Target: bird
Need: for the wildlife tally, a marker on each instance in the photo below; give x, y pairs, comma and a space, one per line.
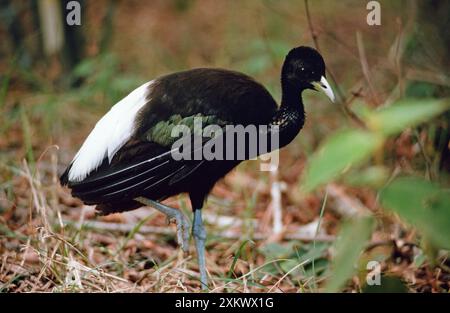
127, 161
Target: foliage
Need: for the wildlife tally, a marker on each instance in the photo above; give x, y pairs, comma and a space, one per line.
47, 237
405, 113
338, 153
297, 260
100, 75
353, 236
349, 148
423, 204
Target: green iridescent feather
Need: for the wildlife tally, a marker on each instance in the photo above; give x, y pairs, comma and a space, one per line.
161, 133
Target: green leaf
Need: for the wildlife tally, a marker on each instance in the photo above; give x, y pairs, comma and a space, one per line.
388, 284
361, 108
374, 176
274, 250
423, 205
237, 256
337, 154
305, 257
406, 113
352, 238
85, 68
419, 89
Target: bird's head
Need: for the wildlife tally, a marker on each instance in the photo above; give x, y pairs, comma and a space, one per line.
304, 68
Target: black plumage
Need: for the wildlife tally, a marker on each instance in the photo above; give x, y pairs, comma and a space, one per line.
144, 166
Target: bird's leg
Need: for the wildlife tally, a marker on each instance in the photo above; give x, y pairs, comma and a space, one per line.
199, 232
171, 213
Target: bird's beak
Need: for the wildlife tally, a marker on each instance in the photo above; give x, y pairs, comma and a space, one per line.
324, 86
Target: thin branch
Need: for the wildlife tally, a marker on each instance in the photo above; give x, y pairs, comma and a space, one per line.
365, 67
275, 193
340, 96
346, 205
311, 27
294, 234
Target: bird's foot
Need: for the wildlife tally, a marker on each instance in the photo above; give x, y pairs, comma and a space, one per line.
182, 230
172, 214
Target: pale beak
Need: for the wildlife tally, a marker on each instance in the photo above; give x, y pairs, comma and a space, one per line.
324, 86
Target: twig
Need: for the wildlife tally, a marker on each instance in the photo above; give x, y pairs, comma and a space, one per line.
322, 210
346, 205
287, 273
315, 38
37, 198
310, 25
222, 221
340, 96
275, 193
294, 234
427, 160
398, 61
365, 67
122, 228
427, 76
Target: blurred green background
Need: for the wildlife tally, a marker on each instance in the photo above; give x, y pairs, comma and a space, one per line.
382, 151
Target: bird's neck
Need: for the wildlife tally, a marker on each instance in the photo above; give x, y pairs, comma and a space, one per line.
290, 117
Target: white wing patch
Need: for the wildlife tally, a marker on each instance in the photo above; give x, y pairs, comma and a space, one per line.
109, 134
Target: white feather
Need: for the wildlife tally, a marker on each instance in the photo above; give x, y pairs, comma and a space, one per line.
109, 134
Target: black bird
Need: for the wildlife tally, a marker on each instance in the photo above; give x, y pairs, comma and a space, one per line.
127, 160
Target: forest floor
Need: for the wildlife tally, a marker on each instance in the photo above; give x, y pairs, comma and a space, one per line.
51, 242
